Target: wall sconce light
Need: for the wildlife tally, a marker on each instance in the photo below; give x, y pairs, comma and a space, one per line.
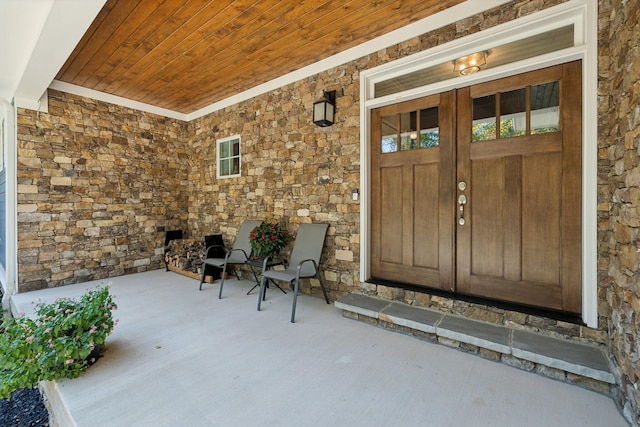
325, 109
470, 64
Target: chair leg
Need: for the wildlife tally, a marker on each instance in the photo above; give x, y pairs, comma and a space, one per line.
224, 273
296, 288
263, 291
324, 291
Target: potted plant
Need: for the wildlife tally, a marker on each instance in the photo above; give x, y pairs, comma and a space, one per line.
61, 340
267, 239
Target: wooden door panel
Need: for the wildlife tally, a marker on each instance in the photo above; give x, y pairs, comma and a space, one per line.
546, 143
521, 292
486, 215
512, 225
541, 218
391, 214
572, 187
425, 216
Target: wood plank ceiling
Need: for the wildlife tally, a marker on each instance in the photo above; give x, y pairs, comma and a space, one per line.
186, 54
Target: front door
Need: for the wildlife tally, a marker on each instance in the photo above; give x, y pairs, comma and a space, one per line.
478, 190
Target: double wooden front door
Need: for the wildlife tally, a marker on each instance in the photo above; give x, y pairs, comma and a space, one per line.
478, 190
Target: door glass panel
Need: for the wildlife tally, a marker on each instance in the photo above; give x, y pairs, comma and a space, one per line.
484, 118
389, 134
400, 131
513, 113
408, 131
545, 107
429, 131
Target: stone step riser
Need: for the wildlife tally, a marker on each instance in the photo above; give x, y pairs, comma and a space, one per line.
575, 363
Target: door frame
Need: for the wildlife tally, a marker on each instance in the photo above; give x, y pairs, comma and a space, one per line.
583, 15
9, 273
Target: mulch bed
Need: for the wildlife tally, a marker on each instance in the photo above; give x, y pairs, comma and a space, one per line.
24, 409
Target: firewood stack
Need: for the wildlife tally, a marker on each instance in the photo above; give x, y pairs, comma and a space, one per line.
185, 254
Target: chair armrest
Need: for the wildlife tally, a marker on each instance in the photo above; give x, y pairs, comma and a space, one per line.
299, 266
246, 257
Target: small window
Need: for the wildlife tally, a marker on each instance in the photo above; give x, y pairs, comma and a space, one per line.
530, 110
228, 157
400, 131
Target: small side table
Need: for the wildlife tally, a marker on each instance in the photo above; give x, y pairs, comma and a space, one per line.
258, 264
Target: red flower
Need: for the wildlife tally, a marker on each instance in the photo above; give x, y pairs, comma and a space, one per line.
268, 238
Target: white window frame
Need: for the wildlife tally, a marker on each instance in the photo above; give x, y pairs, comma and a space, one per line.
583, 14
219, 158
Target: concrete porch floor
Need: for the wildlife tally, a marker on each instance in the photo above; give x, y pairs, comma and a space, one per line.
182, 357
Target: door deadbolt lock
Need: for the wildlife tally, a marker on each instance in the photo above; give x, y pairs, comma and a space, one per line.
462, 185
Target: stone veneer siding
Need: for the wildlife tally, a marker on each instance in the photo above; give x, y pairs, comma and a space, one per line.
97, 186
619, 190
295, 172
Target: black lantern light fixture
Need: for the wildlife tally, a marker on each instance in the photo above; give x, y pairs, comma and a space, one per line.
325, 109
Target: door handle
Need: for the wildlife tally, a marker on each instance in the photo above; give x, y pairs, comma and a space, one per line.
462, 200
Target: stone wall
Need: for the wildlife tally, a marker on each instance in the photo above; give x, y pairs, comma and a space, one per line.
619, 189
97, 186
293, 171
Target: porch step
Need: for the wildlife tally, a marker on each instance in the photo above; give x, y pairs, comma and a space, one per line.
559, 359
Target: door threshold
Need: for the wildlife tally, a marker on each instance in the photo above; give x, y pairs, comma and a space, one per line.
472, 299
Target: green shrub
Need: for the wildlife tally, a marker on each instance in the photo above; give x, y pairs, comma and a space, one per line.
57, 342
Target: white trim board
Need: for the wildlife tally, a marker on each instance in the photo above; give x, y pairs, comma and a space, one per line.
9, 275
583, 15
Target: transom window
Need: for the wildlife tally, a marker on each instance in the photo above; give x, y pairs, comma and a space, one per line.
228, 157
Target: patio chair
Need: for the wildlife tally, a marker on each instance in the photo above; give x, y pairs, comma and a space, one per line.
239, 254
214, 248
304, 263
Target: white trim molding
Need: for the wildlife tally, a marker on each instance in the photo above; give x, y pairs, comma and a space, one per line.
9, 275
582, 14
117, 100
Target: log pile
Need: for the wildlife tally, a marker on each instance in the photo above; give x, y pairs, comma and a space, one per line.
185, 254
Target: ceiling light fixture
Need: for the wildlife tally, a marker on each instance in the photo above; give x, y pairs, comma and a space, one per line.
325, 109
470, 64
